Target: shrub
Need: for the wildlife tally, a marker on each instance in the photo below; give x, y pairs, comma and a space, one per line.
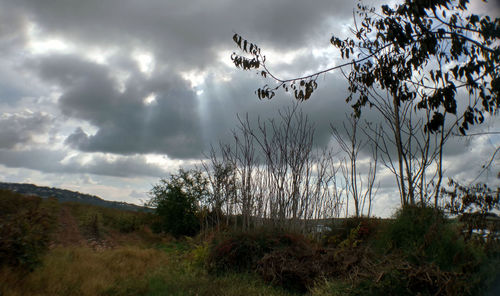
285, 259
91, 223
25, 229
364, 228
424, 235
95, 221
176, 201
127, 223
12, 202
293, 268
123, 221
241, 251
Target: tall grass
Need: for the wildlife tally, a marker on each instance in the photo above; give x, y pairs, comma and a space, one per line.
81, 271
126, 271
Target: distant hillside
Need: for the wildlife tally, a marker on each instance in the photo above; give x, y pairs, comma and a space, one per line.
64, 195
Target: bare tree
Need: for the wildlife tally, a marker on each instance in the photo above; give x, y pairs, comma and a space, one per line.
410, 151
410, 61
359, 185
273, 174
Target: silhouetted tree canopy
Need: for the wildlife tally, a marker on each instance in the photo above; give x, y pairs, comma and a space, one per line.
420, 50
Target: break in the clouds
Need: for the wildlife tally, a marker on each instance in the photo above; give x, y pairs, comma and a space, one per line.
130, 90
56, 161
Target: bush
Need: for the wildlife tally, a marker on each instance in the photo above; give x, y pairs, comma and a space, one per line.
285, 259
365, 228
290, 267
91, 223
25, 229
241, 251
123, 221
176, 201
95, 221
12, 202
424, 235
127, 223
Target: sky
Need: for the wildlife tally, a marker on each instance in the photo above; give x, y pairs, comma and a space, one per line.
107, 97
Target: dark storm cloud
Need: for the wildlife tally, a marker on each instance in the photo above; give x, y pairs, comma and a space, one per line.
191, 32
126, 124
77, 139
181, 36
325, 107
19, 129
12, 28
52, 161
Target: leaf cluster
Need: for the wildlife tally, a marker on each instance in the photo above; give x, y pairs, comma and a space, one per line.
302, 89
478, 198
425, 51
421, 51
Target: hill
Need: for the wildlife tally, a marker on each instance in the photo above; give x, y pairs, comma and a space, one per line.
63, 195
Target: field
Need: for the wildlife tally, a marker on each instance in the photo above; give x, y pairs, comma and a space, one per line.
52, 248
99, 251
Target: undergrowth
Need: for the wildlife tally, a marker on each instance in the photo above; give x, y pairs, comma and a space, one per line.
26, 223
418, 252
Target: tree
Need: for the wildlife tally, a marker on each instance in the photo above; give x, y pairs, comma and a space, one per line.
358, 188
177, 201
474, 204
271, 174
412, 61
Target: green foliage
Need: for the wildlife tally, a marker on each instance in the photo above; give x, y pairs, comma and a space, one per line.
424, 235
25, 228
199, 254
475, 206
128, 223
91, 223
351, 240
361, 229
177, 202
95, 220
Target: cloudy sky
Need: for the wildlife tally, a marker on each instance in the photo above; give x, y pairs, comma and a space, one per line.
106, 97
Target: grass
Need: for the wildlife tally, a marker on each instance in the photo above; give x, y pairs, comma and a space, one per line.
169, 268
129, 270
410, 253
82, 271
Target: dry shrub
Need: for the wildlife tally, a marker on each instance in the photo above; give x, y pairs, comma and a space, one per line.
404, 278
366, 228
241, 251
287, 260
292, 268
300, 268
